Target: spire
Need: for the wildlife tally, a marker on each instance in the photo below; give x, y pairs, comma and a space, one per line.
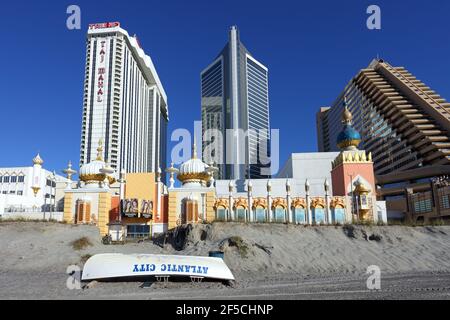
348, 138
347, 116
194, 149
69, 171
38, 160
100, 150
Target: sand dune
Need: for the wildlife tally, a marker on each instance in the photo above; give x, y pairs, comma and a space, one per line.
34, 256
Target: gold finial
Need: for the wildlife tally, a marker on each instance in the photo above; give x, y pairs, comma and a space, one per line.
100, 150
347, 116
69, 171
194, 149
35, 190
38, 160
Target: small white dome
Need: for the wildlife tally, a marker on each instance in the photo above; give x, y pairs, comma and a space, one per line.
194, 171
193, 166
91, 171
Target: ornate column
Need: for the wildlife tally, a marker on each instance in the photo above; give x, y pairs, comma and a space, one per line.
326, 186
158, 195
37, 166
122, 181
308, 203
171, 170
69, 172
250, 201
269, 201
230, 201
288, 201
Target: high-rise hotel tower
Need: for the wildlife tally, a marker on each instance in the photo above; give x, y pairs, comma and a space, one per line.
124, 104
403, 123
234, 95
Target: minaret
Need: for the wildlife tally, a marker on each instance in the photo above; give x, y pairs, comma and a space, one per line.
158, 195
351, 161
250, 200
122, 181
288, 201
269, 201
230, 200
69, 172
37, 167
308, 203
171, 170
326, 186
350, 165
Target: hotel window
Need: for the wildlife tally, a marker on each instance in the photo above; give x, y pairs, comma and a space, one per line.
423, 206
1, 179
21, 179
6, 179
14, 179
20, 193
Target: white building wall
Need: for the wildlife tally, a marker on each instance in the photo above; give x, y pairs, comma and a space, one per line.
10, 197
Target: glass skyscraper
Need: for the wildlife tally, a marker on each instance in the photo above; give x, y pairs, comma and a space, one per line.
235, 103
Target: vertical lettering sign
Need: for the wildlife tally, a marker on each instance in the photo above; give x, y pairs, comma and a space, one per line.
101, 71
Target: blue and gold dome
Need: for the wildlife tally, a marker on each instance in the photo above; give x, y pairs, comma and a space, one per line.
348, 138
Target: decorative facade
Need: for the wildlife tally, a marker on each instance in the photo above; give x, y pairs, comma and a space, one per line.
144, 205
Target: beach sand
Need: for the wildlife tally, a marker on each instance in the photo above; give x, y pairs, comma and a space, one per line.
267, 260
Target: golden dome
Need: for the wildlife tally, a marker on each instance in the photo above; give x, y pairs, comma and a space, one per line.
347, 116
193, 170
96, 171
361, 187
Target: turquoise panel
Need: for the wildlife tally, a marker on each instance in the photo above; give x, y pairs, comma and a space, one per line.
319, 215
300, 216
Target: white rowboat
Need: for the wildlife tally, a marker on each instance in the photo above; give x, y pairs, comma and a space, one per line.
114, 265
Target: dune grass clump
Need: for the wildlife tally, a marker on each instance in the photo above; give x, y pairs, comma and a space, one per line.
81, 243
85, 258
239, 243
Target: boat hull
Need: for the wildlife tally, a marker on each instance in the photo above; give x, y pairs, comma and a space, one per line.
115, 265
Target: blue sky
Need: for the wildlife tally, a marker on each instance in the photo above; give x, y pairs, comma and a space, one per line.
312, 49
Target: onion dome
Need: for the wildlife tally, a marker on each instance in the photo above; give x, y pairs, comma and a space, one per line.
109, 173
92, 171
38, 160
348, 138
360, 187
194, 170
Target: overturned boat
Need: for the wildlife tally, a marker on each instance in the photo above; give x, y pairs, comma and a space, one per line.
117, 265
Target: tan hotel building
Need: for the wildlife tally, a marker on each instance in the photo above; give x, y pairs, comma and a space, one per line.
405, 125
